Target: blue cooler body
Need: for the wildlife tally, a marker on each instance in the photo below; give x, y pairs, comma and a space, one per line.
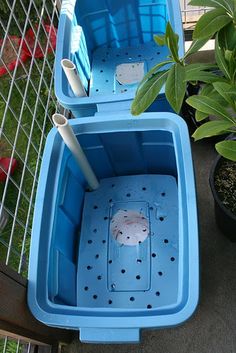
106, 39
83, 277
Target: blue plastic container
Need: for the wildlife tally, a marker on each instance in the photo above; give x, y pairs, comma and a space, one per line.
114, 33
80, 276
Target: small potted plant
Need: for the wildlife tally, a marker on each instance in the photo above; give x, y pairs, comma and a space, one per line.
216, 98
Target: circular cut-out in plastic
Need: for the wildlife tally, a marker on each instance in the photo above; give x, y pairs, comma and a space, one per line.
129, 227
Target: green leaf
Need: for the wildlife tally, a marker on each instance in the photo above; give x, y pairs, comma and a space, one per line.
211, 128
159, 40
199, 116
210, 23
227, 37
172, 40
227, 5
176, 86
227, 149
153, 70
195, 68
209, 106
195, 46
207, 90
220, 59
225, 90
148, 93
204, 76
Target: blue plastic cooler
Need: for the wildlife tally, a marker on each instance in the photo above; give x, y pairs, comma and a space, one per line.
84, 274
114, 33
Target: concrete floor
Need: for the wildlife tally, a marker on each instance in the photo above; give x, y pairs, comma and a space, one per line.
212, 329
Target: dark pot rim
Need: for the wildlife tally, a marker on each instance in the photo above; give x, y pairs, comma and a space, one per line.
214, 167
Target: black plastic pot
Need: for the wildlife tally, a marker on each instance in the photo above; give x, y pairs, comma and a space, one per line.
225, 219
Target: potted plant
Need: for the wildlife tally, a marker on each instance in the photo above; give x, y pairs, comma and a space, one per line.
217, 97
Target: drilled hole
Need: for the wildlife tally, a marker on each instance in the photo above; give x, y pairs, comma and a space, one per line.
110, 200
139, 261
97, 90
138, 277
128, 195
86, 288
110, 261
163, 194
105, 218
127, 238
109, 301
172, 259
151, 208
125, 90
144, 230
166, 241
95, 296
90, 241
104, 241
126, 53
103, 60
153, 254
139, 55
158, 294
132, 299
89, 267
144, 189
161, 219
95, 230
95, 207
96, 256
158, 52
101, 70
123, 270
113, 185
117, 55
121, 232
149, 306
139, 242
99, 277
160, 273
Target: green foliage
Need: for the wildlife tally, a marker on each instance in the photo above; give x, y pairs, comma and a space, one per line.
218, 97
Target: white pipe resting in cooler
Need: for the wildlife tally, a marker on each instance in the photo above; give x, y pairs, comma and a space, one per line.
68, 136
73, 78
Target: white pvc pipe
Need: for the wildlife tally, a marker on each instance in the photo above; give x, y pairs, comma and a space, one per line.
68, 136
73, 78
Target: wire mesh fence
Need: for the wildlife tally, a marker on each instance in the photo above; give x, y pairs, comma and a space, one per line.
27, 45
18, 345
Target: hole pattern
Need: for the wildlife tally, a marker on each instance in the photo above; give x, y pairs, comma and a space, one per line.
166, 241
172, 259
154, 255
138, 277
160, 273
89, 267
95, 296
132, 299
158, 293
123, 270
149, 306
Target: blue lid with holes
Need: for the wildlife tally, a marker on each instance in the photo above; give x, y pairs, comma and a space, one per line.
124, 257
107, 40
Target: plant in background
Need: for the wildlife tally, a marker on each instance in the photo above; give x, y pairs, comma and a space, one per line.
219, 93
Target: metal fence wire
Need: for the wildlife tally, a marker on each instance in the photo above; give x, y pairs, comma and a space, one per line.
27, 101
27, 50
18, 345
